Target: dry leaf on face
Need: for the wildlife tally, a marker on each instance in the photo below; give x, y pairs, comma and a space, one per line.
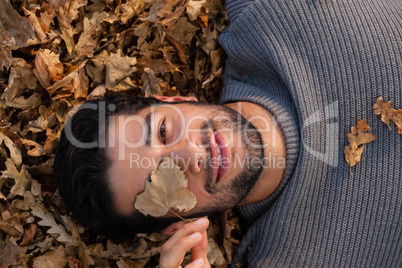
167, 189
388, 113
356, 138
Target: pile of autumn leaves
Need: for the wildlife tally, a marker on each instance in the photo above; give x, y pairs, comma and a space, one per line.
55, 54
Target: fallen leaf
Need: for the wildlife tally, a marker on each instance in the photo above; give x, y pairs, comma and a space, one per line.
151, 83
17, 26
49, 221
193, 8
388, 113
22, 179
166, 190
183, 31
214, 253
116, 66
89, 37
15, 152
56, 258
21, 78
21, 102
356, 138
10, 253
11, 225
66, 15
48, 68
75, 82
34, 21
29, 235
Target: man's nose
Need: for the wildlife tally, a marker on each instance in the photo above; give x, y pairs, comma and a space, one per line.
189, 155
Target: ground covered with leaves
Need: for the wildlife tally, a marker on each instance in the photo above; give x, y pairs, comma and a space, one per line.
55, 54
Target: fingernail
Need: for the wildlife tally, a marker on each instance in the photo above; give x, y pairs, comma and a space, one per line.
199, 261
199, 221
194, 235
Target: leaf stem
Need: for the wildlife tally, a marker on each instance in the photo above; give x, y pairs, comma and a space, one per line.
187, 220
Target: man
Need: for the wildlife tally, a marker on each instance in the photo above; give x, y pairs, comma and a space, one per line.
301, 73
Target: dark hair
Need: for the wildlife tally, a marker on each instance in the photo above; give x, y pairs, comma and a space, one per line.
82, 172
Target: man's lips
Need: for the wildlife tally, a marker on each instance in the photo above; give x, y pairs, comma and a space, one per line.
219, 166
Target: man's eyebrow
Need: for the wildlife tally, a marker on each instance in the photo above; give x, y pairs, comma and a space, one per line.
149, 128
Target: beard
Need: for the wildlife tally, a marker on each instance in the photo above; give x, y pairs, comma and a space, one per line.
230, 194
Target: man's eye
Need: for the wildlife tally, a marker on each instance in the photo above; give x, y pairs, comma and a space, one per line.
162, 132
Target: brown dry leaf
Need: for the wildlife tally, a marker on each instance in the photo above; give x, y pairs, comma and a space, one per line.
29, 235
21, 78
167, 190
11, 225
34, 21
182, 31
55, 259
116, 66
48, 220
89, 37
18, 27
10, 253
66, 15
356, 138
15, 152
388, 113
21, 102
48, 67
75, 82
151, 84
193, 8
22, 179
130, 9
214, 254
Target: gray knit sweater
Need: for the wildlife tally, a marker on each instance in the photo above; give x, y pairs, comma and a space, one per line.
319, 67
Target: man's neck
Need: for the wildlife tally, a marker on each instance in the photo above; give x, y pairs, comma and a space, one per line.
274, 150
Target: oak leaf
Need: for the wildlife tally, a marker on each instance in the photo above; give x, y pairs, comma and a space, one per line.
356, 138
48, 220
167, 189
22, 179
388, 113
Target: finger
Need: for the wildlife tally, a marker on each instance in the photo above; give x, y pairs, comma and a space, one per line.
200, 250
173, 227
173, 256
197, 226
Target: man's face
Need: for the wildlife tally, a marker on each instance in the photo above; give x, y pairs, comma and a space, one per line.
218, 150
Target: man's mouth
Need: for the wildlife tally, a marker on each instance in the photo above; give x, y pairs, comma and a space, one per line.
220, 156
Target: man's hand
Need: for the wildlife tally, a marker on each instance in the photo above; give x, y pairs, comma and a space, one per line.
188, 236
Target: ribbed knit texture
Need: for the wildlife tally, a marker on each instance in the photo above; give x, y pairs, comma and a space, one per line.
319, 67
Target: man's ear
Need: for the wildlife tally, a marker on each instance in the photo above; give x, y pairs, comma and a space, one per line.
171, 229
175, 98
